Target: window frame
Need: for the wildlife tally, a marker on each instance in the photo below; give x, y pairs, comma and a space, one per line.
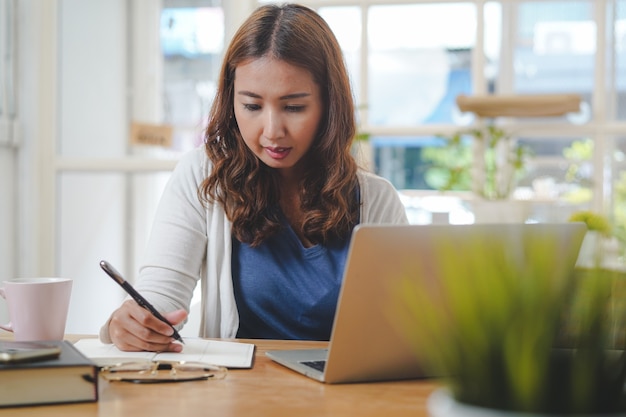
603, 130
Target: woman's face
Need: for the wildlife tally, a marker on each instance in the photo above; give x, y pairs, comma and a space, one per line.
278, 108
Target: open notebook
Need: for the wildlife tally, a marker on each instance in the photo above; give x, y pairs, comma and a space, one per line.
365, 345
214, 352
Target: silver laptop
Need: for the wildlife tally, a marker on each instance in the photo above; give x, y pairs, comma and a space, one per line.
365, 344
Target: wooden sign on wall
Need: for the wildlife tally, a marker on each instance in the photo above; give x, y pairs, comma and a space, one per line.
151, 134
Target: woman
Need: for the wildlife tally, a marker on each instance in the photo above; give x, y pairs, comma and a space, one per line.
262, 214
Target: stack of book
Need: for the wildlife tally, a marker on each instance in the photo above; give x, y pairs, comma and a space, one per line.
36, 373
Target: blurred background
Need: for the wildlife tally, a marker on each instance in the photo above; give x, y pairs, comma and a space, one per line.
99, 98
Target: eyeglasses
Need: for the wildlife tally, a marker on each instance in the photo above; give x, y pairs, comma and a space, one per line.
154, 372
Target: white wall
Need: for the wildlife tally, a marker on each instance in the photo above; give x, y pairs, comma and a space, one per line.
20, 166
73, 95
7, 156
7, 214
93, 123
8, 202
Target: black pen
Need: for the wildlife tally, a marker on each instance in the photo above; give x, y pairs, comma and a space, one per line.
112, 272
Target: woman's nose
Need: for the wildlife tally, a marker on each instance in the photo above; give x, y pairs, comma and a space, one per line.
273, 126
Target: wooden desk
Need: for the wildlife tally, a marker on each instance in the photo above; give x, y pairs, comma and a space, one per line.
268, 389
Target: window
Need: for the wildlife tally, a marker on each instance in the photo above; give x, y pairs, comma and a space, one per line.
416, 58
413, 78
192, 40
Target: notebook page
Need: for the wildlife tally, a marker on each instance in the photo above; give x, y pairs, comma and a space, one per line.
228, 354
216, 352
107, 354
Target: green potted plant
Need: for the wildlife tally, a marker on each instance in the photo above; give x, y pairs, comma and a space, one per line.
599, 231
619, 213
518, 338
450, 165
579, 157
489, 166
487, 161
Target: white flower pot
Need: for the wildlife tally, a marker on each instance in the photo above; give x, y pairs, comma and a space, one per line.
442, 404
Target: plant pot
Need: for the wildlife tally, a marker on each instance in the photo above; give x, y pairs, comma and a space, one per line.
499, 211
442, 404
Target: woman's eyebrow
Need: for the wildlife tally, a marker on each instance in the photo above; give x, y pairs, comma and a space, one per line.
248, 94
285, 97
294, 95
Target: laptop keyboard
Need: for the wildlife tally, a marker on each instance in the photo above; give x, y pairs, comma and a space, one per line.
319, 365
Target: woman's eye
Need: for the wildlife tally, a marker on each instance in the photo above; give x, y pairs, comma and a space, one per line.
251, 107
294, 109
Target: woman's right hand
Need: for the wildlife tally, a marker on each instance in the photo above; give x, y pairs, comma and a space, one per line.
133, 328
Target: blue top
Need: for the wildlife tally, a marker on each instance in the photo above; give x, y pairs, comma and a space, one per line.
286, 291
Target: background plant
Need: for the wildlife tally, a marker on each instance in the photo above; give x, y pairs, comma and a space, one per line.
619, 210
489, 163
595, 222
519, 335
449, 166
579, 171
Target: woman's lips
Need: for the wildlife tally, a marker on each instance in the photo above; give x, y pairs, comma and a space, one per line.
277, 152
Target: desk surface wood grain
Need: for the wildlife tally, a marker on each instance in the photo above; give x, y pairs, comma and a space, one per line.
268, 389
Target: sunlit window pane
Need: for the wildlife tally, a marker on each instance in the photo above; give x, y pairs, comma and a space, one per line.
192, 40
620, 61
400, 159
419, 61
560, 169
554, 50
492, 36
345, 23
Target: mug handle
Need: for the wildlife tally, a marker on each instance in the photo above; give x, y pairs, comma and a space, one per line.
8, 327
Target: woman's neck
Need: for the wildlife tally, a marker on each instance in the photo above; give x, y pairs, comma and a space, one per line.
290, 204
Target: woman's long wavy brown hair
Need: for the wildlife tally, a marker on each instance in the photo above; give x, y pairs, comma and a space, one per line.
246, 187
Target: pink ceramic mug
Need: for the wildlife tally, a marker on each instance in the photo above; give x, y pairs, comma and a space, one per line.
37, 307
